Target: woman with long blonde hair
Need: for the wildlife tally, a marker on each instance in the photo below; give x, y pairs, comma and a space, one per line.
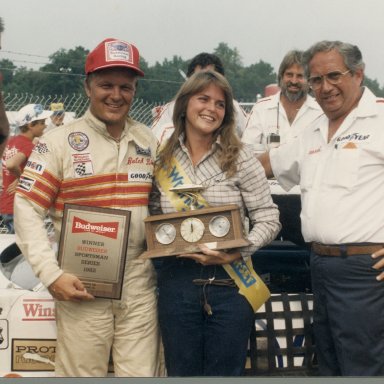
205, 322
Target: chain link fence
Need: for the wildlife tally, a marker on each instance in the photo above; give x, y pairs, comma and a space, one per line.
76, 105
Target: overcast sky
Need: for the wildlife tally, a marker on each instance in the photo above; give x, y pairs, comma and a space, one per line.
259, 29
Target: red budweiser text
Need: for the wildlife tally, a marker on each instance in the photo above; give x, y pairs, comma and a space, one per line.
102, 229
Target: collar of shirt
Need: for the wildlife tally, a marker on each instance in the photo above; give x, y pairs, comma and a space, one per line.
134, 131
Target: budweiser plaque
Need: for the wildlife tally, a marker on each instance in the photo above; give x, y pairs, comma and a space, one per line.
93, 246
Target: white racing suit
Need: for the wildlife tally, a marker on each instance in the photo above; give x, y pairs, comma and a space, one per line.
80, 163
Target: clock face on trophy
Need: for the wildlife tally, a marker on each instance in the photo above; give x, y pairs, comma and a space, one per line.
171, 234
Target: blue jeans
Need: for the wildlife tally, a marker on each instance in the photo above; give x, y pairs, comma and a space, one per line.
348, 315
196, 343
8, 222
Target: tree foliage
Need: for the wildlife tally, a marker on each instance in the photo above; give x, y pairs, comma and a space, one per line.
64, 75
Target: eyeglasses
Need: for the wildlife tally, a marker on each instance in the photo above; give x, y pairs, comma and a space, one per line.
333, 78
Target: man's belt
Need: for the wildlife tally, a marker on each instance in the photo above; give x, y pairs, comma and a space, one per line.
346, 249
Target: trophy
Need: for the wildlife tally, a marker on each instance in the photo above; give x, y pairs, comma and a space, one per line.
170, 234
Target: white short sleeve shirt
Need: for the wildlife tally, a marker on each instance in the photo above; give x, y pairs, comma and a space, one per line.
342, 182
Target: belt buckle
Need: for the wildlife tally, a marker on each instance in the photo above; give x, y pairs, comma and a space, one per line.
343, 250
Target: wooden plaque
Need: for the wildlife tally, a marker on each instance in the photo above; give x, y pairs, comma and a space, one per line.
171, 234
93, 247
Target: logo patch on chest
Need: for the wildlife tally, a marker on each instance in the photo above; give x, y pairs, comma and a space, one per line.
78, 141
82, 165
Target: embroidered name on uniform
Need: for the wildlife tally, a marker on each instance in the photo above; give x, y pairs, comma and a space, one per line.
313, 151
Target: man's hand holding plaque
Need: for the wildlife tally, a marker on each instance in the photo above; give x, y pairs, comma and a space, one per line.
69, 287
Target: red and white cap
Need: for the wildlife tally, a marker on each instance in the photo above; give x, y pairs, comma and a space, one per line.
113, 53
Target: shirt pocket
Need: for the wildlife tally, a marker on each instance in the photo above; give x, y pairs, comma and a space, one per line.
342, 168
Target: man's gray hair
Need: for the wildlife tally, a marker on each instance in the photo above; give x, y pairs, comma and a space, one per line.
353, 59
291, 58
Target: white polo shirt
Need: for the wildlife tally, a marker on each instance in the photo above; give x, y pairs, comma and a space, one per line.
342, 182
268, 113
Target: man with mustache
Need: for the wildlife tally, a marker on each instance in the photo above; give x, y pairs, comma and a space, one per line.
338, 162
276, 119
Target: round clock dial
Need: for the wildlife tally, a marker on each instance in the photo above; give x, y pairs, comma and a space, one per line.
219, 226
192, 229
165, 233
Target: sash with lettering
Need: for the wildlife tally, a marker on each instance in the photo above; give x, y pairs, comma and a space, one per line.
250, 285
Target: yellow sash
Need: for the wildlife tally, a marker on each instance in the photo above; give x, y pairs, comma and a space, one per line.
249, 283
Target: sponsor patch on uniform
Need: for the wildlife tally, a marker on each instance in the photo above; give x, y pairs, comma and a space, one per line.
35, 166
78, 141
140, 176
143, 151
83, 169
33, 354
82, 164
41, 148
26, 183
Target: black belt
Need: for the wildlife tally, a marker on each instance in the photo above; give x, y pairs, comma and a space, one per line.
346, 249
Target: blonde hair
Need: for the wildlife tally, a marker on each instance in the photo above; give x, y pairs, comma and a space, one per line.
230, 143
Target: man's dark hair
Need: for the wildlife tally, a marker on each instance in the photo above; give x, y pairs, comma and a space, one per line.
203, 60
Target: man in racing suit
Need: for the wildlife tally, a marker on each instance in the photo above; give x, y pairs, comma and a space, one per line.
103, 159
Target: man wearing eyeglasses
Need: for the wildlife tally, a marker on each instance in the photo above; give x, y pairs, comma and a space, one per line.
339, 164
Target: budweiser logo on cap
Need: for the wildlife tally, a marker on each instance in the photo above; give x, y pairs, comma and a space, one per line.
113, 53
118, 50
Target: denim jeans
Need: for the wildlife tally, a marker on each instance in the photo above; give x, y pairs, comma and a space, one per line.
196, 343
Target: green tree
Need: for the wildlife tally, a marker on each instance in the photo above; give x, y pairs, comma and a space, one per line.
26, 81
233, 66
374, 86
253, 80
7, 68
65, 73
162, 81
